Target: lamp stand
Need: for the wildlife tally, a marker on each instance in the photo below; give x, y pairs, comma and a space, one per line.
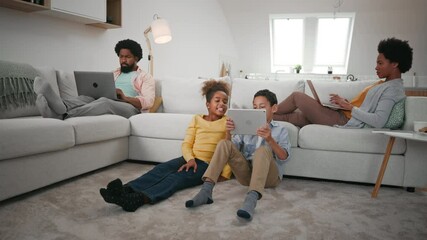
150, 51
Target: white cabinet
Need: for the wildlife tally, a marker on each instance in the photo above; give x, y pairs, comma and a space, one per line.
93, 11
98, 13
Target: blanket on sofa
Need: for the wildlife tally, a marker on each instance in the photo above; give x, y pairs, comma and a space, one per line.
16, 85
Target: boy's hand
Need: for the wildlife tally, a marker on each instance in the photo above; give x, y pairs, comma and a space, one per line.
264, 132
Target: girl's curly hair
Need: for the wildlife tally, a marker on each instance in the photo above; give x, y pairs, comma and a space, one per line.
210, 87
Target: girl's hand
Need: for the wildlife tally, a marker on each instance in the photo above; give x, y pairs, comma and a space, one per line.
190, 164
229, 125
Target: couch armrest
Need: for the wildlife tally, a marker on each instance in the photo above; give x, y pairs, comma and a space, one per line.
415, 110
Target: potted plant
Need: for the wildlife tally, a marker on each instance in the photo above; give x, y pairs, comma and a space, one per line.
298, 68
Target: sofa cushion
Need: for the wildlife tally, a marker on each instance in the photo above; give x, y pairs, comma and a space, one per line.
292, 132
27, 136
99, 128
160, 125
66, 84
320, 137
243, 90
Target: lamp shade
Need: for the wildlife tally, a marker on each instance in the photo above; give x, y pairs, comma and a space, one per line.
161, 31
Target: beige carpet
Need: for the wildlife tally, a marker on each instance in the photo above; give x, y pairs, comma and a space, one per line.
297, 209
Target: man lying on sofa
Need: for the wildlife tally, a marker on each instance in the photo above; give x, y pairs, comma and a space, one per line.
134, 87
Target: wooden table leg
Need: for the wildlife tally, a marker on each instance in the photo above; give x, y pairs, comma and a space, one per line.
383, 167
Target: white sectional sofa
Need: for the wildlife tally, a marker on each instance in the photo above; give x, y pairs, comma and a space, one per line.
317, 151
36, 152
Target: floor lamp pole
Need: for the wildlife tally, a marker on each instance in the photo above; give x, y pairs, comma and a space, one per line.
150, 51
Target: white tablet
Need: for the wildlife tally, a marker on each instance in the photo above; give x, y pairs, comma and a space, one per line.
247, 121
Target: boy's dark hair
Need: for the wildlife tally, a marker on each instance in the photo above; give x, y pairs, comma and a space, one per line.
133, 47
397, 51
271, 96
212, 86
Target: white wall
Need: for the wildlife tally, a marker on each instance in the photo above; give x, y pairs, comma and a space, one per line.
204, 33
199, 30
375, 20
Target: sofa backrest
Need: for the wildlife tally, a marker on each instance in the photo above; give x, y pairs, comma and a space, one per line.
243, 90
66, 84
183, 95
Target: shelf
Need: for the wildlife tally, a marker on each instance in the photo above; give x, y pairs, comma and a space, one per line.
25, 6
416, 92
113, 19
114, 15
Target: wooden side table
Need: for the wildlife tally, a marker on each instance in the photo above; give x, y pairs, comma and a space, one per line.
409, 135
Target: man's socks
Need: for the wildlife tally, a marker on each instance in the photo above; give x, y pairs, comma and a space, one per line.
53, 100
248, 208
45, 110
203, 197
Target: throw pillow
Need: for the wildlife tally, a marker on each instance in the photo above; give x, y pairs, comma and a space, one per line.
17, 97
396, 118
157, 102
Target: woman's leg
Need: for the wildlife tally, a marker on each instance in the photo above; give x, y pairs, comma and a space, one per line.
301, 109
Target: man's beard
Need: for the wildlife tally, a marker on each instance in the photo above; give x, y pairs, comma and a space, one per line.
126, 68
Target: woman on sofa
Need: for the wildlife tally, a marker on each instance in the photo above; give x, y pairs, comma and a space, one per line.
202, 136
370, 107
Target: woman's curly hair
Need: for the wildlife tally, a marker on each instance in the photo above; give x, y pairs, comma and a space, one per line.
133, 47
210, 87
397, 51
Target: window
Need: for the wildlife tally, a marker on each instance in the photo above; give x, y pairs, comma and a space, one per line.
316, 41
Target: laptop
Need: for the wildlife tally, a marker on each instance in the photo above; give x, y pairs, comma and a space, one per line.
247, 121
329, 105
95, 84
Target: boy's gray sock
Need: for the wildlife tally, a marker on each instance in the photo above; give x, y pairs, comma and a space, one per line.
203, 197
248, 208
53, 100
44, 108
